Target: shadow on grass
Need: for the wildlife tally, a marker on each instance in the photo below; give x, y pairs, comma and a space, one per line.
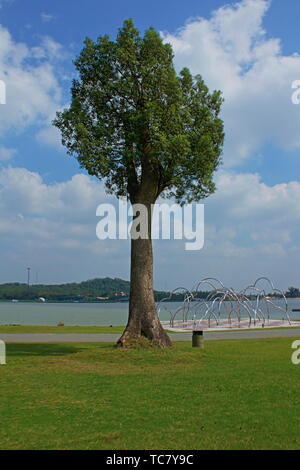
41, 349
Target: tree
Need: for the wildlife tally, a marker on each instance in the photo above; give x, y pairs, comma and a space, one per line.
147, 132
292, 292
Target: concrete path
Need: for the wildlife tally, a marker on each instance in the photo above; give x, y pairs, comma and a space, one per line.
111, 338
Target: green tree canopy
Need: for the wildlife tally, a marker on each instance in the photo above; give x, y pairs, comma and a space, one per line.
132, 118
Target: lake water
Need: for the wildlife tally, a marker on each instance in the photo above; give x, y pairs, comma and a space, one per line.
88, 314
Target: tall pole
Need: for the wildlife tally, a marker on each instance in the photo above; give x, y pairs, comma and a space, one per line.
28, 277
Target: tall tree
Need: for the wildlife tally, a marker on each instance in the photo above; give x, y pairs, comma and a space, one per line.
147, 132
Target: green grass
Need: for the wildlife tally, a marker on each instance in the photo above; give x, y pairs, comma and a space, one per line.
231, 395
62, 329
86, 329
59, 329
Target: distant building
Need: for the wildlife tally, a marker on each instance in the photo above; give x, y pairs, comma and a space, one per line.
121, 294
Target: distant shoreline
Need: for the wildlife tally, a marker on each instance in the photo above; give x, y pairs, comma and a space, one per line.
64, 302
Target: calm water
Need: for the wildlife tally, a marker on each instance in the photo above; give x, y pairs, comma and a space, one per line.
86, 314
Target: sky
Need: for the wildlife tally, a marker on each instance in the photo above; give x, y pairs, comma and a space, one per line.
248, 49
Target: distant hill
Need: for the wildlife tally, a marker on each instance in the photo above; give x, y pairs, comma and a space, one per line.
93, 290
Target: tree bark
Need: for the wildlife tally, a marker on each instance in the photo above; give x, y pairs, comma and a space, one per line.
143, 319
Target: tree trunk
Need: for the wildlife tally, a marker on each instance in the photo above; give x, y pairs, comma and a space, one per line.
143, 319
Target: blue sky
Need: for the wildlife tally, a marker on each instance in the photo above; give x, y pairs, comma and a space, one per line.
248, 49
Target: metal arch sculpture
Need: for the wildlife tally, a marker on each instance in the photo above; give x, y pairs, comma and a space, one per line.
219, 295
263, 297
183, 308
250, 306
218, 298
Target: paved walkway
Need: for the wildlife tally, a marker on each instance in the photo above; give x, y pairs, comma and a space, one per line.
108, 338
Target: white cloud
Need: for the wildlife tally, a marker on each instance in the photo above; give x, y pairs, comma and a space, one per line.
23, 191
33, 93
248, 217
49, 135
248, 198
232, 52
251, 228
6, 153
53, 228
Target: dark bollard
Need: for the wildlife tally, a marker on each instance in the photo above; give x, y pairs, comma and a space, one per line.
198, 341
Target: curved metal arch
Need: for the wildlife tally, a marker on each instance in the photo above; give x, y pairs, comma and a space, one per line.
195, 310
207, 281
188, 296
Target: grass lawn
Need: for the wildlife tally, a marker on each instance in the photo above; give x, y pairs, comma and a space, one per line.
231, 395
59, 329
83, 329
63, 329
